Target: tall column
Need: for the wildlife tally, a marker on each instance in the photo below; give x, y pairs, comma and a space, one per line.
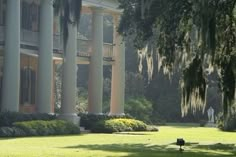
118, 73
69, 77
95, 86
44, 87
11, 76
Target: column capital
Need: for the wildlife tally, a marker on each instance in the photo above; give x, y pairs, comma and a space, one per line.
97, 10
116, 15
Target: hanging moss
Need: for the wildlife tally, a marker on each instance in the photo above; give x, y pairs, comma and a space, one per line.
197, 36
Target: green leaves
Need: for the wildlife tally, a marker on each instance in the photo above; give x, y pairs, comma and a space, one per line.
190, 35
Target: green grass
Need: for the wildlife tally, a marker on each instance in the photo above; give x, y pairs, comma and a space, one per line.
201, 142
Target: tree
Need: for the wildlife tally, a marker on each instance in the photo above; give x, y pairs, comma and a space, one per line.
196, 36
69, 12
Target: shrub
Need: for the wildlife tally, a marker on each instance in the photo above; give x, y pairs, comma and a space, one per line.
44, 128
135, 125
227, 124
8, 118
119, 125
89, 120
139, 108
6, 132
11, 132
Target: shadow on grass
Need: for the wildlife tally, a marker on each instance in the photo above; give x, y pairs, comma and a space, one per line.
7, 138
41, 137
183, 125
219, 146
140, 150
132, 133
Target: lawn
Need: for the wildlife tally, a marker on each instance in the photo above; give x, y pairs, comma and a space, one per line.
201, 142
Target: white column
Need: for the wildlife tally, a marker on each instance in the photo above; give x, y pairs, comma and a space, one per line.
95, 86
11, 76
44, 87
69, 77
118, 73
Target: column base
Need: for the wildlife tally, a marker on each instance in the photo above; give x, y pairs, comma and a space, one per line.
99, 114
116, 114
73, 117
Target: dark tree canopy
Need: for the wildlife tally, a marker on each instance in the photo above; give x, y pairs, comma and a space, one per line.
69, 12
193, 36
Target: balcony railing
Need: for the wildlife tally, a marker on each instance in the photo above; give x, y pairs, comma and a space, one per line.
29, 37
84, 46
57, 42
108, 50
32, 38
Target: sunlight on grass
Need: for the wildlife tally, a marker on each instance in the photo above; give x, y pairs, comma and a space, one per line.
200, 142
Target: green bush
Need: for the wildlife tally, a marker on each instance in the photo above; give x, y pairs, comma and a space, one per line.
8, 118
11, 132
227, 124
6, 132
89, 120
40, 128
119, 125
139, 108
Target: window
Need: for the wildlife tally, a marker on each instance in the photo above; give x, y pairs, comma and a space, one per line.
27, 85
2, 11
30, 16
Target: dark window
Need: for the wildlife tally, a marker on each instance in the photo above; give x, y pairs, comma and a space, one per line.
2, 11
28, 84
30, 16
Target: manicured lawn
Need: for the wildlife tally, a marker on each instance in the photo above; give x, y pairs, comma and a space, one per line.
201, 142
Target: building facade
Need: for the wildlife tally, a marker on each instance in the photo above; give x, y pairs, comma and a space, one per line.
31, 46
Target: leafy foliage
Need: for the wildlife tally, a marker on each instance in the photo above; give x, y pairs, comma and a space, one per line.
118, 125
8, 118
228, 124
193, 35
139, 108
43, 128
69, 13
89, 120
39, 128
11, 132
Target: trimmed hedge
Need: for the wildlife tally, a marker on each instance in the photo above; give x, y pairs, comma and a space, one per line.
8, 118
39, 128
119, 125
89, 120
11, 132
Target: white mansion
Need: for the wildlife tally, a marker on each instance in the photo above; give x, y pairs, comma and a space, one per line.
31, 46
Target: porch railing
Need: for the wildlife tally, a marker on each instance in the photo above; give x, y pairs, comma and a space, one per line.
84, 46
